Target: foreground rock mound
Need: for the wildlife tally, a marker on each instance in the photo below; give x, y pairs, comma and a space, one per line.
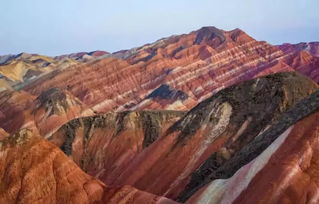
32, 170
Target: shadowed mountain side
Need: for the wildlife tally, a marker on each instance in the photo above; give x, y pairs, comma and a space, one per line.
104, 145
210, 170
55, 107
285, 172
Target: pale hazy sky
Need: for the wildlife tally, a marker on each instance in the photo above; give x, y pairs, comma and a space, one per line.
54, 27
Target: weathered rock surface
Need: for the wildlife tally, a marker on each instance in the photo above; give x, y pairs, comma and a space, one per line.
83, 56
303, 57
18, 70
193, 66
243, 135
105, 145
47, 112
15, 107
182, 155
32, 170
285, 172
130, 195
55, 107
174, 73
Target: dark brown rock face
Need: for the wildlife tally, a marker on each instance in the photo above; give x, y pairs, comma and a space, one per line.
104, 145
285, 172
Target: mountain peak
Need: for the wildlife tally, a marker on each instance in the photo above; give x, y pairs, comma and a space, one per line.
209, 33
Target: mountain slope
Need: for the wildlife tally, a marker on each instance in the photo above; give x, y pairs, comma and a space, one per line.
33, 170
286, 172
112, 148
303, 57
105, 145
195, 65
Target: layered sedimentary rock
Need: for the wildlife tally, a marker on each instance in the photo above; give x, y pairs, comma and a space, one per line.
149, 149
286, 170
168, 154
130, 195
83, 56
55, 107
303, 57
105, 145
18, 70
47, 112
187, 67
212, 132
173, 73
32, 170
311, 47
15, 107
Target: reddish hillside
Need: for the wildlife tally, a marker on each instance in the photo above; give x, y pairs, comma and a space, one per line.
303, 57
33, 170
152, 152
172, 73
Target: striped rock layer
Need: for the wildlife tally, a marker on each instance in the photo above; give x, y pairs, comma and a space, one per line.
173, 73
174, 154
32, 170
285, 172
222, 151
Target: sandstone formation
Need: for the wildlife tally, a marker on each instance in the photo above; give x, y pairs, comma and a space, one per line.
212, 116
168, 154
33, 170
105, 145
3, 134
47, 112
130, 195
55, 107
184, 69
83, 56
15, 107
312, 48
174, 73
18, 70
212, 133
285, 172
303, 57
